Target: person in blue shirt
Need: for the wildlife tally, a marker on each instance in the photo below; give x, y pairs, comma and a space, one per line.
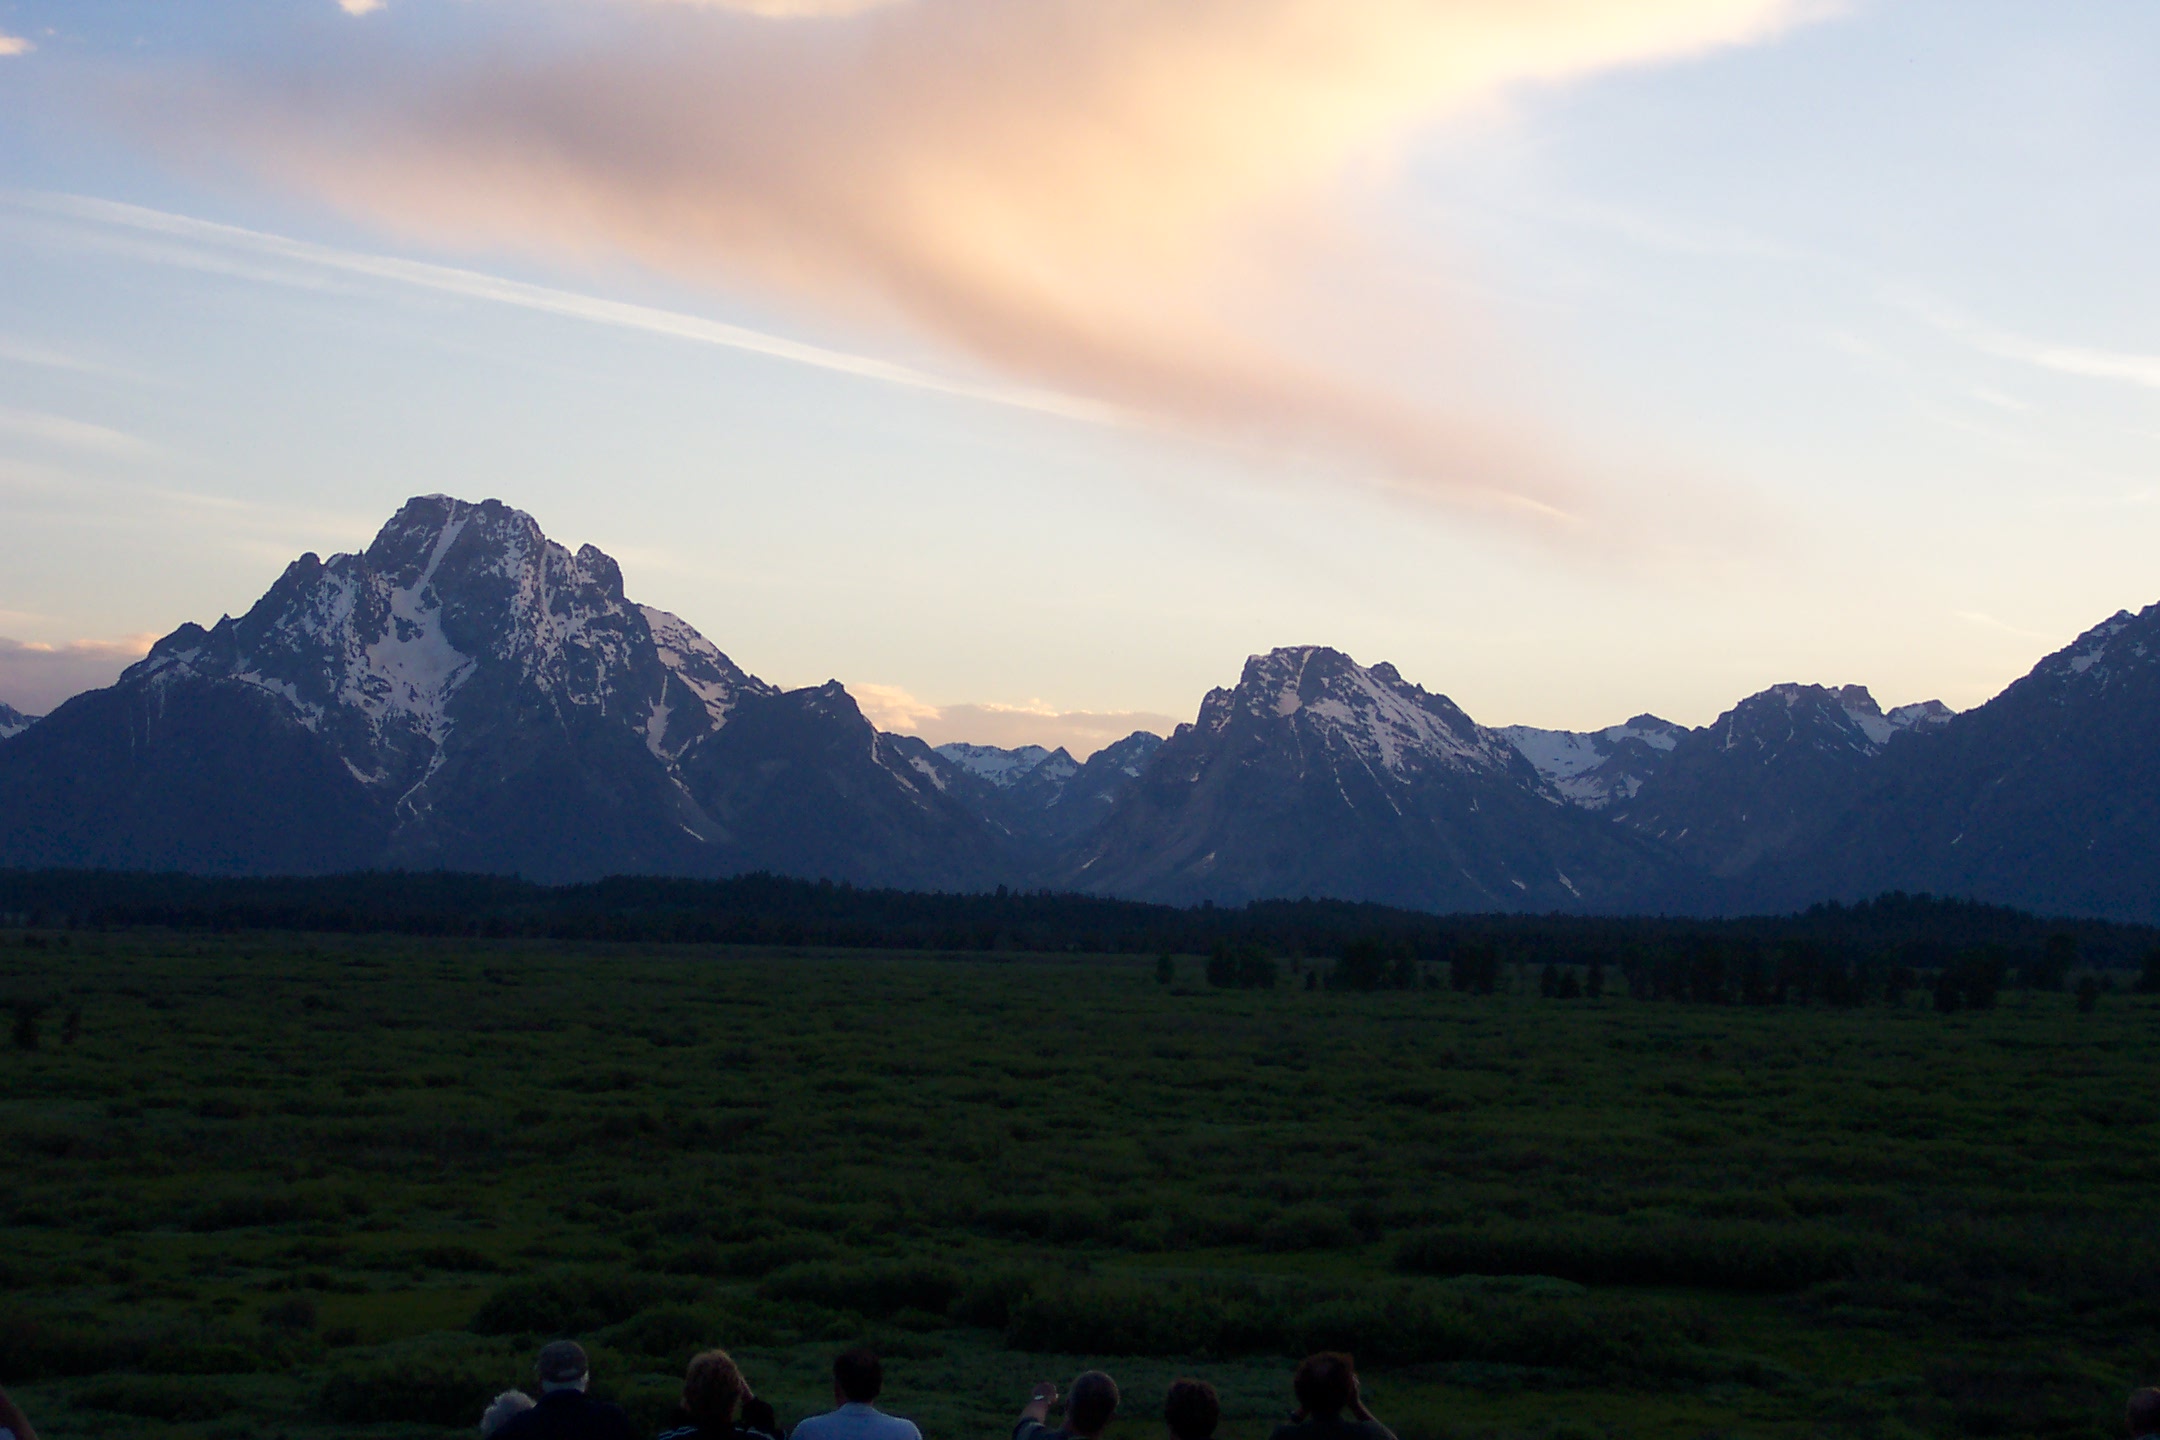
857, 1378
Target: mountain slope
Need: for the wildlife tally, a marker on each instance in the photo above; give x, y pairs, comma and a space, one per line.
1317, 776
465, 693
1044, 800
2048, 796
1598, 768
13, 722
801, 783
1768, 775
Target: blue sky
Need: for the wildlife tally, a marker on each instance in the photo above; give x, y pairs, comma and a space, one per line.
1649, 364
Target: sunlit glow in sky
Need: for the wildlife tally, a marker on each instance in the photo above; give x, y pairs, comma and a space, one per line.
1027, 366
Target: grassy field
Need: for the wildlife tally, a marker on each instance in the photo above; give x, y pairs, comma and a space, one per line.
287, 1186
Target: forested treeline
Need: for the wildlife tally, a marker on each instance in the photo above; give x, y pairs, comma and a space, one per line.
1830, 953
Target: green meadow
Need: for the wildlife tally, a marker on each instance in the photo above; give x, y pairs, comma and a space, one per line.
262, 1186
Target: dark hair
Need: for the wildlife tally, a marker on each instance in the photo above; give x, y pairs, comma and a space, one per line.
1324, 1382
2144, 1412
858, 1374
1192, 1409
1092, 1402
711, 1389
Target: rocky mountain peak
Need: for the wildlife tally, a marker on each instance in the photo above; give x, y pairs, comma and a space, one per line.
1005, 768
452, 612
1597, 768
13, 722
2119, 645
1324, 695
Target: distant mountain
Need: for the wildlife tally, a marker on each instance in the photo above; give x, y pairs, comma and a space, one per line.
1768, 775
1318, 776
1596, 768
1007, 768
1044, 799
464, 694
467, 694
2047, 796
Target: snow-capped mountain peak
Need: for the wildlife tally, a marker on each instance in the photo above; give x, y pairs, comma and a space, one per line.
1389, 724
2098, 658
13, 722
379, 651
1006, 768
1596, 768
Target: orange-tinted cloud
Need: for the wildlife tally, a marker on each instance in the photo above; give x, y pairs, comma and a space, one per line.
34, 678
1084, 194
1080, 732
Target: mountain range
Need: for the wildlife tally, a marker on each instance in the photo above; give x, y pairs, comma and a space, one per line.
467, 694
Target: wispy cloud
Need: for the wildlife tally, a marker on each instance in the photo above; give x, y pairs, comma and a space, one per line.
1989, 622
360, 7
475, 285
74, 434
18, 352
2125, 366
1125, 201
1081, 732
15, 45
36, 677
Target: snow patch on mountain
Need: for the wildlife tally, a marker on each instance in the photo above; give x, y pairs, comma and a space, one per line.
1595, 768
717, 682
1006, 768
13, 722
1387, 722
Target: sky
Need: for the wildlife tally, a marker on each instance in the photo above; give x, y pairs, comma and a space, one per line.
1027, 364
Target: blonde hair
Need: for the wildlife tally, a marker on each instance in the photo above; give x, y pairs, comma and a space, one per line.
712, 1388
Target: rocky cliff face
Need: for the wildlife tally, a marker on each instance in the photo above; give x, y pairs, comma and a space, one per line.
1598, 768
464, 693
2048, 796
1767, 776
1318, 776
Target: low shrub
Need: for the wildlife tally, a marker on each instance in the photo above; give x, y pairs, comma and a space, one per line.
989, 1299
172, 1400
1553, 1326
662, 1334
1717, 1255
879, 1289
1308, 1227
569, 1304
428, 1390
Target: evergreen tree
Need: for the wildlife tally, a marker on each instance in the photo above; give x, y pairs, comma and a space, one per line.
2148, 981
1548, 984
1947, 996
1897, 982
2088, 995
1594, 986
1363, 966
71, 1028
26, 1026
1570, 988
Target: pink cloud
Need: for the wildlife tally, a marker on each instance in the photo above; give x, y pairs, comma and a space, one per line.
1125, 200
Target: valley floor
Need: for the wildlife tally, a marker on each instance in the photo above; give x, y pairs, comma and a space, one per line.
295, 1186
